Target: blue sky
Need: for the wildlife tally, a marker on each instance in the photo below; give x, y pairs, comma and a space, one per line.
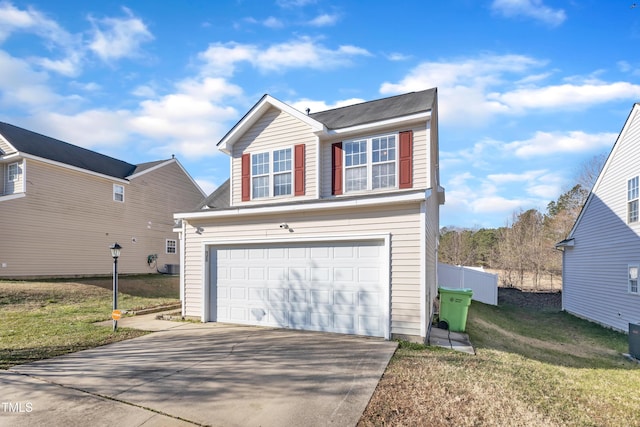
528, 89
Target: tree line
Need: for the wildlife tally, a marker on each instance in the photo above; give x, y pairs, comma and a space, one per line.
524, 249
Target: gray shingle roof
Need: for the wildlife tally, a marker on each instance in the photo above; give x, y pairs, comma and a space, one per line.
220, 198
26, 141
377, 110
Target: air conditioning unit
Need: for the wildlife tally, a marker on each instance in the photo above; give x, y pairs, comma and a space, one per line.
172, 268
634, 340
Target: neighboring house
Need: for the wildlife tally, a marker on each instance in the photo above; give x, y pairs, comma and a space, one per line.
62, 207
329, 221
601, 255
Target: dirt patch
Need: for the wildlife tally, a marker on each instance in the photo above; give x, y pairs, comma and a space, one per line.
532, 300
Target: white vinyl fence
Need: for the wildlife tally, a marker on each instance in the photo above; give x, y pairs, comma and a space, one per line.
484, 285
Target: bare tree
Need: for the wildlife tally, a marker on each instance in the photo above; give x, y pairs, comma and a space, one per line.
589, 170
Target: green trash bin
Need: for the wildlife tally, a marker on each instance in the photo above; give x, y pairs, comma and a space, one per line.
454, 306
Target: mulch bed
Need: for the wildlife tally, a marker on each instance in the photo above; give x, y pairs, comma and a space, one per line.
534, 300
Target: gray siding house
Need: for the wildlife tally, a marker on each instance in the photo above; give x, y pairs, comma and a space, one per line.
62, 206
601, 255
329, 221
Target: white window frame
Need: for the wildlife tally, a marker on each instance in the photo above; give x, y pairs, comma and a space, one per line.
270, 175
117, 193
370, 164
633, 193
171, 244
13, 177
632, 279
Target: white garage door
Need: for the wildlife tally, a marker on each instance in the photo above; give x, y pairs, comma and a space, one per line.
333, 287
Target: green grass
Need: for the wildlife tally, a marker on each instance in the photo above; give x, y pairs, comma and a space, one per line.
39, 320
531, 368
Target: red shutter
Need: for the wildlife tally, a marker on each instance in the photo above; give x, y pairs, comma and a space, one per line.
406, 159
246, 177
336, 168
298, 160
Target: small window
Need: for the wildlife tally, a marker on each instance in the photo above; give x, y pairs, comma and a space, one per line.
632, 200
633, 279
12, 172
171, 246
118, 193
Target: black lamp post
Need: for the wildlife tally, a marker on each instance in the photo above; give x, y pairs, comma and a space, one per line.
115, 253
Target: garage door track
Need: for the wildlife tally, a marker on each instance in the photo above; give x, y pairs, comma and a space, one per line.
202, 374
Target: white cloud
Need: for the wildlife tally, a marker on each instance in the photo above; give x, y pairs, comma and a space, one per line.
534, 9
294, 3
567, 95
55, 37
23, 88
473, 91
505, 178
115, 38
548, 143
465, 85
272, 22
221, 59
13, 19
316, 106
396, 56
89, 129
497, 205
324, 20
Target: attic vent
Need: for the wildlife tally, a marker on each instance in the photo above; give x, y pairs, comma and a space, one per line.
308, 111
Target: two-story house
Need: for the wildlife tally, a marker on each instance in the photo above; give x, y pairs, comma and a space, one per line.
331, 222
601, 254
63, 206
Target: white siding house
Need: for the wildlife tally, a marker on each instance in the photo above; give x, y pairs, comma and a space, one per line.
601, 255
331, 223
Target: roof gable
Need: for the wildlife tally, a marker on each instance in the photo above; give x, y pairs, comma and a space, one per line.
633, 115
27, 142
256, 112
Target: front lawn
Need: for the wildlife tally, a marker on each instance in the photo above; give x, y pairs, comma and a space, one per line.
39, 320
536, 367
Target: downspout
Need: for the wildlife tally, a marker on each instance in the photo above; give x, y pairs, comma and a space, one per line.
182, 237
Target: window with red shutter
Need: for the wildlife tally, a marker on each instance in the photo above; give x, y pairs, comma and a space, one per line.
336, 168
299, 161
406, 159
246, 177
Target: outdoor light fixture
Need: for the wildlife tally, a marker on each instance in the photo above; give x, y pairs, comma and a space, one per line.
115, 251
115, 315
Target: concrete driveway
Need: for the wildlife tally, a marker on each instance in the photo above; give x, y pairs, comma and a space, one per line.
201, 374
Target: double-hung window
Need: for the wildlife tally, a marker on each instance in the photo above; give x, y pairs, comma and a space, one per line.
633, 279
171, 246
370, 163
271, 174
632, 200
12, 172
118, 193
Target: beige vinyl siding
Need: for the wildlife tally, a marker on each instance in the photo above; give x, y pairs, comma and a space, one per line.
402, 222
595, 282
68, 220
421, 158
275, 130
5, 148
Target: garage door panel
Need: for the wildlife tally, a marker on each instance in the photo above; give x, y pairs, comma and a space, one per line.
321, 297
297, 296
333, 287
344, 298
